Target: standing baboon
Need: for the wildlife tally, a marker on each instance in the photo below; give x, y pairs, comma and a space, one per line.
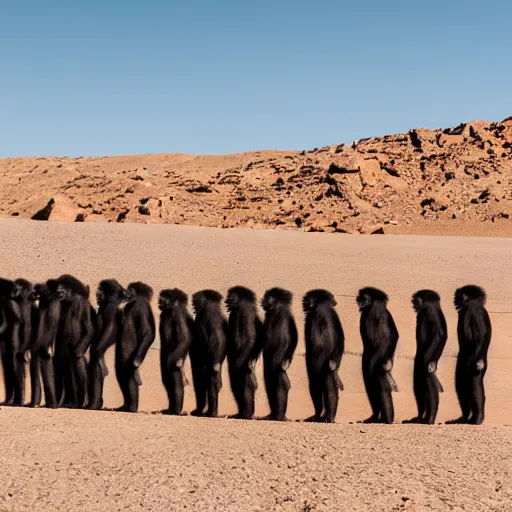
108, 297
474, 334
325, 344
42, 350
176, 333
280, 342
380, 337
9, 338
431, 335
208, 351
245, 342
74, 337
136, 335
22, 311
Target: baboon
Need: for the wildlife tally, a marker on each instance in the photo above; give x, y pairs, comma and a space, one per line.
280, 342
136, 335
176, 333
431, 335
23, 312
109, 295
325, 344
76, 332
380, 337
474, 332
42, 350
9, 338
245, 343
208, 351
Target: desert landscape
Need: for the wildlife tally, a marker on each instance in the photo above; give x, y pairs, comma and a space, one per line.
83, 460
448, 181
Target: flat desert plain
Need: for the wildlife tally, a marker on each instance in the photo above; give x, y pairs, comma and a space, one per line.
82, 460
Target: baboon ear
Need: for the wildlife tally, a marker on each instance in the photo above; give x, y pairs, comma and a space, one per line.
334, 303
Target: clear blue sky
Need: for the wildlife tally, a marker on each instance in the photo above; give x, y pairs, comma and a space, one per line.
110, 77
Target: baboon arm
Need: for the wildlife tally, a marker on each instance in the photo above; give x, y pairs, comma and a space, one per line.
146, 332
3, 324
394, 338
181, 351
479, 350
294, 338
260, 337
436, 348
87, 332
106, 337
340, 345
14, 314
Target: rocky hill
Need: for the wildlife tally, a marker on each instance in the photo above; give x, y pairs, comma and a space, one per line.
402, 183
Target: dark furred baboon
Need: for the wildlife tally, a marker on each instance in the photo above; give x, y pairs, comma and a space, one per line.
325, 344
380, 337
280, 342
136, 334
41, 362
108, 296
431, 335
74, 337
474, 333
245, 342
9, 337
22, 311
208, 351
176, 333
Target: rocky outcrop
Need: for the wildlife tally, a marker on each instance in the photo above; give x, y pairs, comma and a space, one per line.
413, 179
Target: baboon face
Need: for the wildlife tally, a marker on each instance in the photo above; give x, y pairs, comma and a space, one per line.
21, 290
315, 298
172, 299
63, 292
368, 296
109, 289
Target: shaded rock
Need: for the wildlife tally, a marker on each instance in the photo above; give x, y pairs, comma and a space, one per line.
58, 208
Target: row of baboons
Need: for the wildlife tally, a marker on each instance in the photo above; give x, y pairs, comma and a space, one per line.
53, 325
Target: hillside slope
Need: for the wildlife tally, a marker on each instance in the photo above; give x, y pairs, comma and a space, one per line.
459, 178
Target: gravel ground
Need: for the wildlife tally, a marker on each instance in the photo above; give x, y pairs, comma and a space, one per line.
80, 460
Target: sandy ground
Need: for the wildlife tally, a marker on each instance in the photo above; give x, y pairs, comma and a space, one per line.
79, 460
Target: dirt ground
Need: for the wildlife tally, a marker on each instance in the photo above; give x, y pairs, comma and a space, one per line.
81, 460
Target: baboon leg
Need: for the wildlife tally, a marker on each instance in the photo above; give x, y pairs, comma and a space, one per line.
372, 390
199, 381
420, 389
60, 378
477, 399
214, 386
47, 373
176, 394
8, 371
250, 386
237, 380
19, 384
331, 396
35, 380
282, 389
132, 390
386, 399
432, 399
80, 364
271, 390
95, 384
315, 390
462, 389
